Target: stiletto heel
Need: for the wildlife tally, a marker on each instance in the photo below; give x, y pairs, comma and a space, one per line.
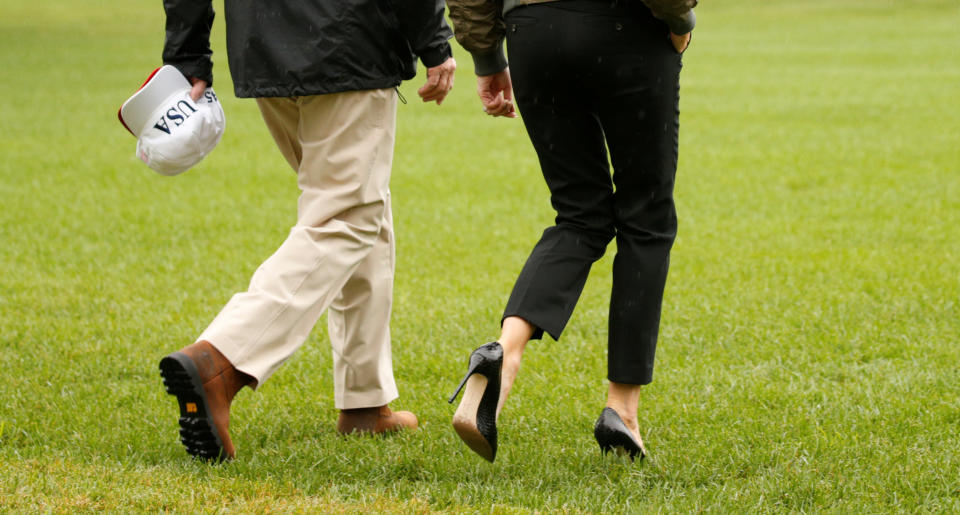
476, 417
454, 396
612, 434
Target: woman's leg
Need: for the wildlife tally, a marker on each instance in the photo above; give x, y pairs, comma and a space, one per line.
568, 139
514, 335
641, 124
569, 143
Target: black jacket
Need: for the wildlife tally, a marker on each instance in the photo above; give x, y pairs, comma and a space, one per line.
283, 48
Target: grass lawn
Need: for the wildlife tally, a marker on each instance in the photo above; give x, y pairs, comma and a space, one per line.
808, 360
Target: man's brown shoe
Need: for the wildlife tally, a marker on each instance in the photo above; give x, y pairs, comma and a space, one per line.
204, 382
374, 420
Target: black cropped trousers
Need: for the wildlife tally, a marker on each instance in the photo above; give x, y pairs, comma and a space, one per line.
591, 77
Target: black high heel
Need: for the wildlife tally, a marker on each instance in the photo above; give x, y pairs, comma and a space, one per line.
612, 434
476, 418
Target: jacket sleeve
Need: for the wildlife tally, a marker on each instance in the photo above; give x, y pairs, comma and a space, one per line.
423, 26
479, 28
187, 44
678, 14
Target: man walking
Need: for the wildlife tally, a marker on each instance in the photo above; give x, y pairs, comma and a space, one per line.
324, 74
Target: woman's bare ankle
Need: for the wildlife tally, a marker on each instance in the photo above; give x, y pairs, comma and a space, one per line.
624, 399
514, 335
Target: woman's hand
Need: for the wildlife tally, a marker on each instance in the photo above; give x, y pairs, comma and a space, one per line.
496, 94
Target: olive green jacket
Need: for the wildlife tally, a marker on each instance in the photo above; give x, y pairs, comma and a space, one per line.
478, 26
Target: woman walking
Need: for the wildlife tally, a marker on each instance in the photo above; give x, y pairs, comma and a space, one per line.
590, 76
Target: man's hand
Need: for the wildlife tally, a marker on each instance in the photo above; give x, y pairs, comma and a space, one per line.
496, 94
439, 82
199, 86
680, 42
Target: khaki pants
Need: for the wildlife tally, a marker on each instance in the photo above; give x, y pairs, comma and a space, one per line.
339, 255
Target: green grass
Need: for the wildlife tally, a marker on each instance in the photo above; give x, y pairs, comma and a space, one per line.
808, 358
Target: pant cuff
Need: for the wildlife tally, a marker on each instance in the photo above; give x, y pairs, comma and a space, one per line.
538, 328
637, 379
372, 399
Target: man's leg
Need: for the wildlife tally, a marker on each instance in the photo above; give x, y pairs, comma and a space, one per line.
343, 148
359, 326
359, 322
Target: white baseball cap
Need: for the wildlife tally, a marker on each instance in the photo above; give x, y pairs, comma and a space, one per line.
173, 131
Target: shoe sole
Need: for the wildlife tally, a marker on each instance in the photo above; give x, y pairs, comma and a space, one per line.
619, 443
620, 452
197, 432
465, 418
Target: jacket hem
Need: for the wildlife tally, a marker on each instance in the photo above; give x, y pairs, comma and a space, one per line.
305, 90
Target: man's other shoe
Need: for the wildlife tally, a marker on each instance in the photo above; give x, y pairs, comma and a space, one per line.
375, 420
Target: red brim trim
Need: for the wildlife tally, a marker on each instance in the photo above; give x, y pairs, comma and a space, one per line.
120, 117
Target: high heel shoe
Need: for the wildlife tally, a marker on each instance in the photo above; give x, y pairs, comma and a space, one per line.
612, 434
476, 418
